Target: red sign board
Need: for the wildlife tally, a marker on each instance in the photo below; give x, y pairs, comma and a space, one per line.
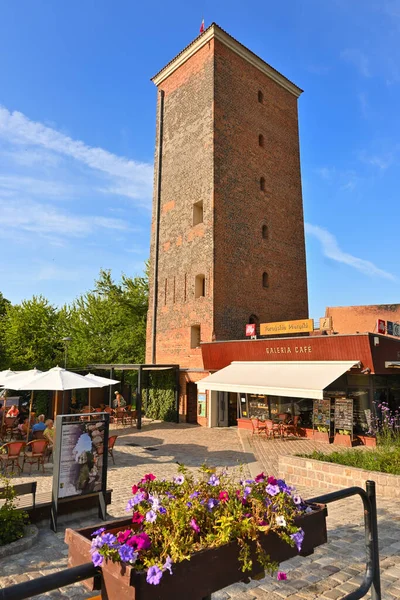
250, 329
381, 326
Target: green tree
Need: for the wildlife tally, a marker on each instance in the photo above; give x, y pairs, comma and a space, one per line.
4, 304
108, 324
32, 335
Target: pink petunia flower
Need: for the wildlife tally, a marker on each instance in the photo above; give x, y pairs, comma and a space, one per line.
281, 576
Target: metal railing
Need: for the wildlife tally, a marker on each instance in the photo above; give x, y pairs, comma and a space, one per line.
371, 580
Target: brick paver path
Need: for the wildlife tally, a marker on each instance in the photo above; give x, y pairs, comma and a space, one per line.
334, 569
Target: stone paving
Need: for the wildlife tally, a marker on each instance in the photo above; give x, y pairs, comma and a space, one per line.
330, 573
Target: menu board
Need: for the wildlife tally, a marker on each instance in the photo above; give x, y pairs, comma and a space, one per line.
322, 413
344, 413
201, 404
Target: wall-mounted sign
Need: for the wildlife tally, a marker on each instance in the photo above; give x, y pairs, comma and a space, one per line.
250, 329
389, 328
287, 327
322, 414
381, 326
396, 329
325, 324
201, 405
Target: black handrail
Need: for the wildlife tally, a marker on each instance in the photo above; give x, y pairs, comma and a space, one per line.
27, 589
372, 574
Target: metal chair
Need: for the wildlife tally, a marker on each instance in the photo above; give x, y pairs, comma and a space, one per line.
35, 451
10, 454
272, 429
256, 427
111, 443
10, 424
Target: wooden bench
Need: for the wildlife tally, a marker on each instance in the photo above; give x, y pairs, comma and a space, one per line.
23, 489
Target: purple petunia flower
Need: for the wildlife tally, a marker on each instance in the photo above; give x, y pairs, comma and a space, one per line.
281, 576
154, 575
298, 538
272, 490
162, 510
167, 566
212, 503
127, 554
97, 559
213, 480
193, 495
189, 504
109, 539
179, 479
98, 531
247, 491
151, 516
97, 542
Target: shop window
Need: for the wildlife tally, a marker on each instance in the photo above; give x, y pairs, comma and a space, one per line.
197, 212
195, 336
264, 232
261, 140
199, 286
262, 184
265, 280
260, 96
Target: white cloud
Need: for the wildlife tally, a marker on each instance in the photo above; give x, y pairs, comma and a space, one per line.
358, 59
331, 249
383, 161
127, 177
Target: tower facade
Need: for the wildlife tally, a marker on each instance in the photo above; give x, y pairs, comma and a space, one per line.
227, 240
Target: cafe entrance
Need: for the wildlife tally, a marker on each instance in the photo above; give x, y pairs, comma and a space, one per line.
227, 409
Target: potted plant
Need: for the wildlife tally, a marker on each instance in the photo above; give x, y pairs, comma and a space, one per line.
321, 433
184, 529
343, 437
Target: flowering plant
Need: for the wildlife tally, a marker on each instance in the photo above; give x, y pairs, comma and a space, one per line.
173, 520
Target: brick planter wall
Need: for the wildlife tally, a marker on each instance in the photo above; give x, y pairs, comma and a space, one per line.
310, 473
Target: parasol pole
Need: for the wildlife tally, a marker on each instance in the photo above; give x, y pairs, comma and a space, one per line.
30, 412
90, 396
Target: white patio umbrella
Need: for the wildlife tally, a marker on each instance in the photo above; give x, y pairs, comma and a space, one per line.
4, 375
58, 379
102, 381
14, 379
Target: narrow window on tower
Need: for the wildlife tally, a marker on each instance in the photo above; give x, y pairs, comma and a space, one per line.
199, 286
198, 212
165, 292
260, 96
262, 184
261, 140
265, 280
195, 336
264, 232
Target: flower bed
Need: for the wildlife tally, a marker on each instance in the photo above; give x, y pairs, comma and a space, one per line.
181, 529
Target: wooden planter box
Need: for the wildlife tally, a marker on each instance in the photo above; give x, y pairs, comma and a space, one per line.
207, 571
343, 440
321, 436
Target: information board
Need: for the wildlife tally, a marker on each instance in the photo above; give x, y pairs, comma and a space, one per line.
201, 404
80, 461
322, 413
344, 414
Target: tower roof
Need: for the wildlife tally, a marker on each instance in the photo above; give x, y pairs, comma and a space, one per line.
214, 31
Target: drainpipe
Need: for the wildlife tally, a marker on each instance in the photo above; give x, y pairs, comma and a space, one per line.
157, 225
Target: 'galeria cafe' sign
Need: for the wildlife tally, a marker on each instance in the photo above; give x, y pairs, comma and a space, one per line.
289, 350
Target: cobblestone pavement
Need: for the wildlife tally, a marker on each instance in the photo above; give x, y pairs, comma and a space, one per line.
330, 573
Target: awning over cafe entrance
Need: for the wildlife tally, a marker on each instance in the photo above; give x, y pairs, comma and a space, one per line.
291, 379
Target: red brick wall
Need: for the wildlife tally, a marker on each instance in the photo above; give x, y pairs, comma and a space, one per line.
187, 177
353, 319
241, 208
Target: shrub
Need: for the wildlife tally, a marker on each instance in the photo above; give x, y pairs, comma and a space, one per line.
383, 460
12, 520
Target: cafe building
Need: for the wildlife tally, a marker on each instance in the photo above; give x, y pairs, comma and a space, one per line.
265, 378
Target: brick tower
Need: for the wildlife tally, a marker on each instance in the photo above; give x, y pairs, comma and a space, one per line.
227, 241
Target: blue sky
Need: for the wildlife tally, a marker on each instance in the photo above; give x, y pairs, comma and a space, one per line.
77, 128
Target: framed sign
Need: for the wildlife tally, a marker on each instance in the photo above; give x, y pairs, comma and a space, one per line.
250, 329
80, 459
201, 405
322, 415
381, 326
344, 415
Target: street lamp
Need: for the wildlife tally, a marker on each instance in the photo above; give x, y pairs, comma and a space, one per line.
66, 341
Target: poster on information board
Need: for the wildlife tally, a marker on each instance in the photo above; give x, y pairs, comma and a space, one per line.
344, 409
80, 462
322, 415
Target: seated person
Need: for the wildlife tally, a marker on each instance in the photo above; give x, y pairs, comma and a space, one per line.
119, 401
40, 425
23, 427
13, 411
49, 431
